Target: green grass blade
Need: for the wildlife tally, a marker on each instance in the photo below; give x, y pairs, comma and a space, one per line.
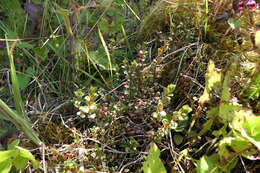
106, 50
15, 84
126, 40
90, 60
91, 77
21, 123
134, 13
207, 18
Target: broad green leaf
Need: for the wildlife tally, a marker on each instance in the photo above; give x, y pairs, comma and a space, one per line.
208, 164
226, 111
185, 109
57, 46
5, 166
254, 140
184, 118
213, 112
182, 123
234, 145
7, 155
223, 150
153, 163
20, 163
248, 125
227, 168
240, 144
18, 157
169, 90
252, 125
252, 91
27, 155
225, 94
213, 79
241, 119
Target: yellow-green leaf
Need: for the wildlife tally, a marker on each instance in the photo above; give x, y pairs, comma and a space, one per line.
257, 39
153, 163
213, 79
208, 164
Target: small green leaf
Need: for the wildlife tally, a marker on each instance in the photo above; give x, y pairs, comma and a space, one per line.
42, 53
178, 139
182, 120
13, 144
234, 23
153, 163
104, 25
27, 155
208, 164
206, 127
24, 79
221, 132
169, 89
98, 57
25, 45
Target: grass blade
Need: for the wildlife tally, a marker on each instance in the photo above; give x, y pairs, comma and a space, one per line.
21, 123
106, 50
207, 18
15, 84
90, 60
134, 13
126, 40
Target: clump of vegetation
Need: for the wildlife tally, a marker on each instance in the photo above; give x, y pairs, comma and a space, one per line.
130, 86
